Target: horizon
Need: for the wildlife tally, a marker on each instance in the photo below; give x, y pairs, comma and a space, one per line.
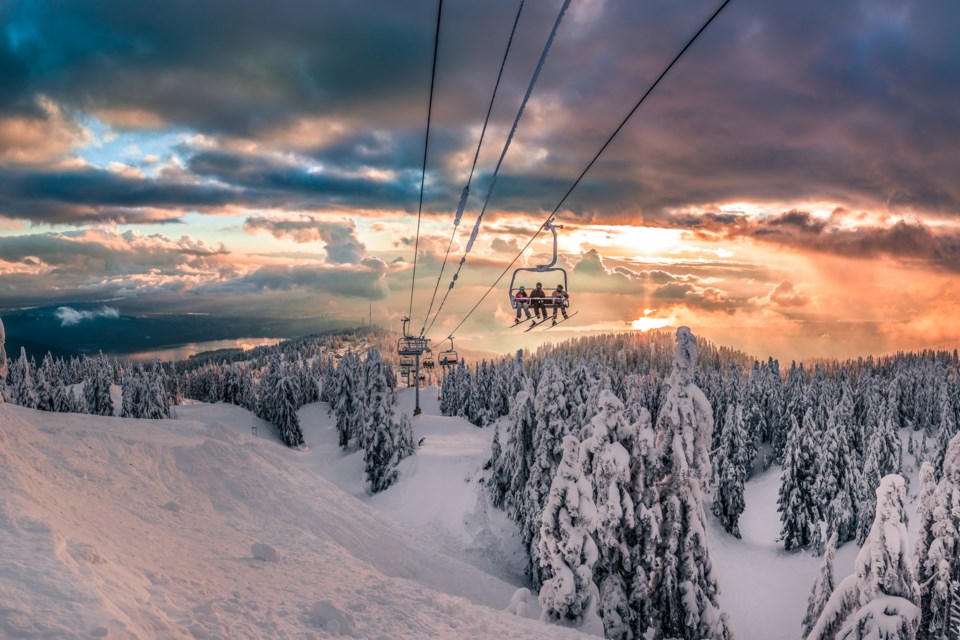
788, 190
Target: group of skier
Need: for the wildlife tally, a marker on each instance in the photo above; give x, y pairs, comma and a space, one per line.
539, 299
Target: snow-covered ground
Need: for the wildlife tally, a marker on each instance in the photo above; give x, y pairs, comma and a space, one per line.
147, 529
139, 528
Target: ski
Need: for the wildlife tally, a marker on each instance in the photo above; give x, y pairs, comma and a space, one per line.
564, 320
525, 323
535, 325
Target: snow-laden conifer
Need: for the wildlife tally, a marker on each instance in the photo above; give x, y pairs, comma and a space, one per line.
880, 599
24, 389
938, 550
730, 471
567, 550
822, 588
882, 458
797, 502
606, 462
284, 400
550, 416
683, 589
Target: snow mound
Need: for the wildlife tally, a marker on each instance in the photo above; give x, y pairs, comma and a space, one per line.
144, 529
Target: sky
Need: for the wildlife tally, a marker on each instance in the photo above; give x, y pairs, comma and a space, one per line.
789, 189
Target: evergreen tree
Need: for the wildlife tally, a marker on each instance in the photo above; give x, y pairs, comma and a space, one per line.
605, 460
24, 390
550, 428
882, 458
285, 419
684, 590
730, 473
880, 599
938, 550
797, 501
567, 550
96, 390
822, 589
62, 399
3, 361
837, 482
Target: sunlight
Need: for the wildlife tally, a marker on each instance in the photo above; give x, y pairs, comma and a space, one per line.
623, 240
646, 324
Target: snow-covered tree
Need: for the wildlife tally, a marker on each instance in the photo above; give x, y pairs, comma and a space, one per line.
567, 550
3, 361
730, 471
683, 589
822, 589
606, 462
938, 549
550, 428
837, 481
348, 399
24, 389
880, 599
96, 388
797, 501
882, 458
284, 400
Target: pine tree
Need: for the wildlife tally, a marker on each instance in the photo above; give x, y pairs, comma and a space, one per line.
730, 471
285, 419
837, 481
96, 390
24, 390
823, 587
62, 399
938, 550
3, 361
882, 458
567, 550
797, 502
880, 599
550, 428
683, 589
605, 460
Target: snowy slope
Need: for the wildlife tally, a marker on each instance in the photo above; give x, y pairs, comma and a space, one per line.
124, 528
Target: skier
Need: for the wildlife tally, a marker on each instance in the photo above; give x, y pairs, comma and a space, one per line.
522, 302
559, 303
538, 298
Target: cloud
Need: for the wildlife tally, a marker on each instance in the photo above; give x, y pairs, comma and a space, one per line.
786, 295
905, 240
365, 281
339, 236
69, 316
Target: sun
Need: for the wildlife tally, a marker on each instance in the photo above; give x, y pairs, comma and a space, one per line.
646, 324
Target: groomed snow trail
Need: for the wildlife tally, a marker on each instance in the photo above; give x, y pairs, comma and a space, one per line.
191, 528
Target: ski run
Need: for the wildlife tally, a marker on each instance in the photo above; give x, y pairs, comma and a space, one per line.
631, 486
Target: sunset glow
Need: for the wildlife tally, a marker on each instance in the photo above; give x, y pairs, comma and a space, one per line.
797, 204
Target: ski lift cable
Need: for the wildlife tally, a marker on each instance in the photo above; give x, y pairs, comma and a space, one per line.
426, 145
466, 188
593, 161
503, 153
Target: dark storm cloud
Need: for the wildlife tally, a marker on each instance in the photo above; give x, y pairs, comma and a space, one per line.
904, 240
851, 103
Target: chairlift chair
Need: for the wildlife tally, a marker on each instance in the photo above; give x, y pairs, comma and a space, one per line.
550, 267
411, 345
448, 357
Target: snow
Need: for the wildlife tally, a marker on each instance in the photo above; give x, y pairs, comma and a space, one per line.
126, 528
146, 528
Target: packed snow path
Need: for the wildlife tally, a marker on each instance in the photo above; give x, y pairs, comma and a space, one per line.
192, 528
